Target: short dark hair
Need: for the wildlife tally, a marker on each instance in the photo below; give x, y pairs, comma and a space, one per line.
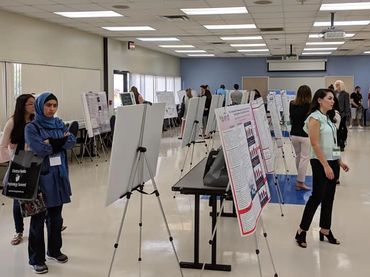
356, 87
236, 86
222, 86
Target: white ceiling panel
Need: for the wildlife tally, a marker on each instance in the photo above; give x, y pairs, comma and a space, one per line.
296, 19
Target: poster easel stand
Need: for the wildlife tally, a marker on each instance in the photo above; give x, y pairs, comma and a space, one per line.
278, 192
192, 141
214, 231
137, 170
104, 148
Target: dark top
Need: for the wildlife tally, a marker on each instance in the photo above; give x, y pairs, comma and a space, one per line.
208, 102
357, 99
298, 114
343, 101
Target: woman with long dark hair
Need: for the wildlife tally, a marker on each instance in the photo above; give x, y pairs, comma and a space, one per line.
298, 112
49, 139
325, 163
139, 99
12, 139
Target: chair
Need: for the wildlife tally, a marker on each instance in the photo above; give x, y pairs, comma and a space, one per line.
73, 129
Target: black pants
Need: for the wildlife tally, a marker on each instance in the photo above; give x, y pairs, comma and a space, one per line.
18, 218
36, 242
323, 191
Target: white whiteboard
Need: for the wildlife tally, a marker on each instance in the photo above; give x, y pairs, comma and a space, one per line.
293, 83
126, 142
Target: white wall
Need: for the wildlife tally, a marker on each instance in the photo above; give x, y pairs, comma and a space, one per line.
140, 60
28, 40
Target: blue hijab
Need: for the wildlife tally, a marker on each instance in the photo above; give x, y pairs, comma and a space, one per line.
41, 119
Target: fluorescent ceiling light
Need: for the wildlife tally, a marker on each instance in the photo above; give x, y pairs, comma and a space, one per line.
320, 49
201, 55
321, 35
158, 39
253, 50
248, 45
367, 52
176, 46
242, 38
190, 51
316, 53
89, 14
341, 23
230, 27
325, 43
256, 54
226, 10
345, 6
129, 28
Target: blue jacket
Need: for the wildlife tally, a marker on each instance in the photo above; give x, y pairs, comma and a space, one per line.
54, 180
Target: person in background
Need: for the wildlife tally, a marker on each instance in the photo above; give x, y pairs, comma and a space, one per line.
298, 112
331, 87
236, 95
139, 99
344, 110
257, 94
325, 163
12, 139
205, 92
334, 113
49, 139
221, 90
184, 108
356, 107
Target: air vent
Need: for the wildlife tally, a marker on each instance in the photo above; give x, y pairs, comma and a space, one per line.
218, 43
175, 17
357, 39
277, 29
121, 7
343, 50
262, 2
231, 52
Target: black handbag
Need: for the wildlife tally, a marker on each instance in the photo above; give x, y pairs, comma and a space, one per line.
215, 173
21, 180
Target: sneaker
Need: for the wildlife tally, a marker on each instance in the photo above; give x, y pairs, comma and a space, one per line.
17, 239
40, 269
60, 259
359, 126
350, 127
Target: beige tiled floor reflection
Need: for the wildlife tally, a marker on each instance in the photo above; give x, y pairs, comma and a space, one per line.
92, 228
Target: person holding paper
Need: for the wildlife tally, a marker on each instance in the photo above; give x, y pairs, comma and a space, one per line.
298, 112
12, 139
49, 139
325, 163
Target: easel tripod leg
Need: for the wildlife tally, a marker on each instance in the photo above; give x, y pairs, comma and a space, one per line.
268, 247
258, 252
278, 192
163, 214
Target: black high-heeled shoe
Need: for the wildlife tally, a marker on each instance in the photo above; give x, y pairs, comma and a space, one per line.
301, 239
330, 237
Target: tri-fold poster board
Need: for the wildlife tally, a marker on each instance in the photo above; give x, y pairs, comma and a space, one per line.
247, 176
132, 123
96, 113
275, 118
167, 97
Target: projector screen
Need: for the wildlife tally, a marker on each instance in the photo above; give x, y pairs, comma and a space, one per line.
296, 65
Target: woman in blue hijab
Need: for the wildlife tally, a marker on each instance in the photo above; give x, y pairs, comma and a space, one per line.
48, 137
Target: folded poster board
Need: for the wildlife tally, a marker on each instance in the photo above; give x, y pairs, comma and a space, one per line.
244, 164
264, 134
246, 97
193, 114
127, 133
275, 119
96, 113
217, 101
167, 97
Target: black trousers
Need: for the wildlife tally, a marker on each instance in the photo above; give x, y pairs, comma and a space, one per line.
323, 191
17, 216
36, 242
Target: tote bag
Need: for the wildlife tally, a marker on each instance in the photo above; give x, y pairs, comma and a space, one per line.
22, 177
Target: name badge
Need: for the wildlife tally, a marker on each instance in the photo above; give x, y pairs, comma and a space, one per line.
336, 153
55, 160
